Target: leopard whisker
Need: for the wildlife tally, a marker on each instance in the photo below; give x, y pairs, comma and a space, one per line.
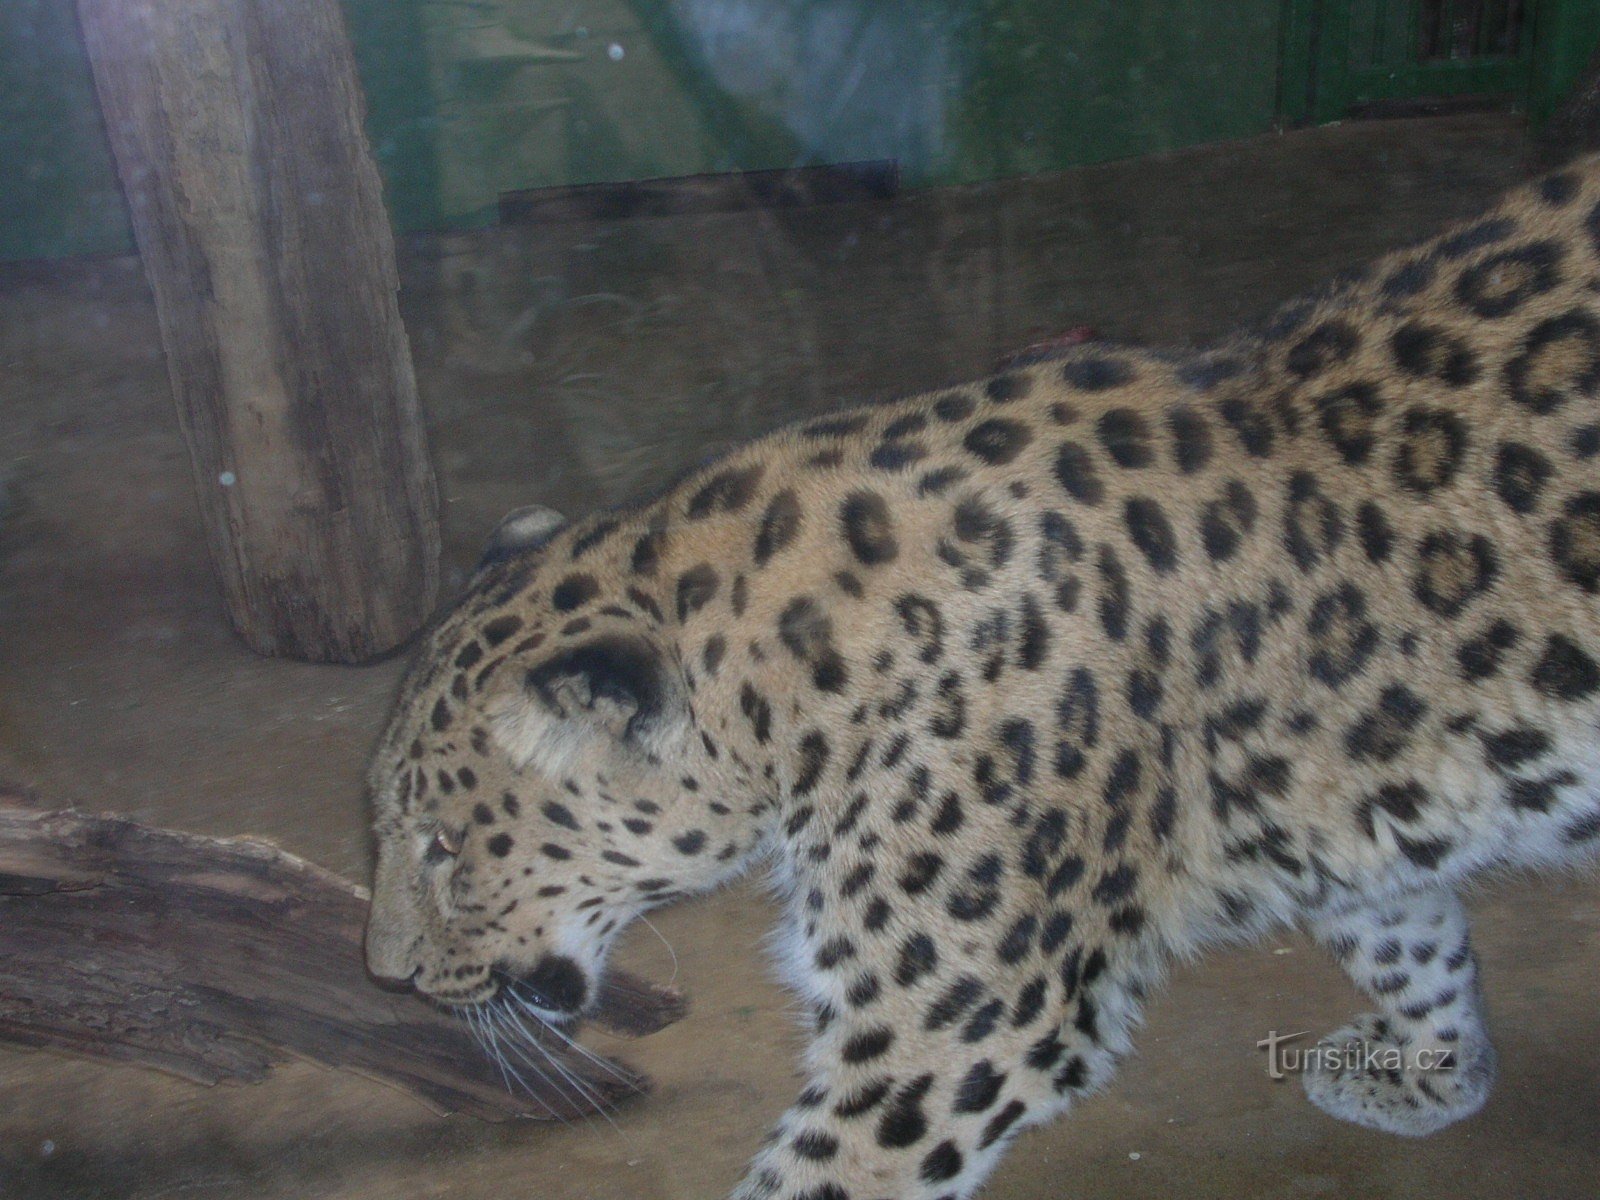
650, 925
484, 1030
510, 1041
485, 1040
531, 1040
597, 1060
513, 993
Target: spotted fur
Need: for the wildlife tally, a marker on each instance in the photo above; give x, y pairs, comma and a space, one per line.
1029, 686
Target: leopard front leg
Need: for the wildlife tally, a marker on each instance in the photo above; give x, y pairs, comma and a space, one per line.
1424, 1059
929, 1062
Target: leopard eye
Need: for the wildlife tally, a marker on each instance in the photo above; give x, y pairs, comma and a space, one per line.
446, 843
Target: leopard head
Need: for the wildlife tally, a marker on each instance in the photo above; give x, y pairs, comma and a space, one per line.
541, 783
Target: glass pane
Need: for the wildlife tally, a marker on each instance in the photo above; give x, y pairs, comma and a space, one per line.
557, 462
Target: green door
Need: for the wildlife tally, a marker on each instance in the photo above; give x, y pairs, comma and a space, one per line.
1346, 57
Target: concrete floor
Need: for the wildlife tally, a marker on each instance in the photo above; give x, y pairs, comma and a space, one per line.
578, 365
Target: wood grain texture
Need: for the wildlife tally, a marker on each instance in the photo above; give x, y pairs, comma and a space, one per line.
237, 130
213, 960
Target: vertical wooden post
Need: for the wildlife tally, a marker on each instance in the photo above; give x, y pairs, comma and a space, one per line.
237, 130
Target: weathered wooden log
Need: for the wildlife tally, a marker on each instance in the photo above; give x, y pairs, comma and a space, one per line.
213, 960
237, 130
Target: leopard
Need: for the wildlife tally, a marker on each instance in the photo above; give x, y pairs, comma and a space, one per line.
1026, 690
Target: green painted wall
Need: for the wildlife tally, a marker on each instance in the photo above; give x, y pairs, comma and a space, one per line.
58, 192
469, 98
1065, 83
1569, 33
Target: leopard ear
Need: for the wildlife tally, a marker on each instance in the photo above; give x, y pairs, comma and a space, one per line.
519, 530
618, 687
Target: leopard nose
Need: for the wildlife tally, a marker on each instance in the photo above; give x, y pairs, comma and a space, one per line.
395, 982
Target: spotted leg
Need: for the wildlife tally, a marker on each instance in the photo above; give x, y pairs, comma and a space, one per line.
918, 1085
1424, 1059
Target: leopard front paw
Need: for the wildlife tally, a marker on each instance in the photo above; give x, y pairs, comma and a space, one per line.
1370, 1075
